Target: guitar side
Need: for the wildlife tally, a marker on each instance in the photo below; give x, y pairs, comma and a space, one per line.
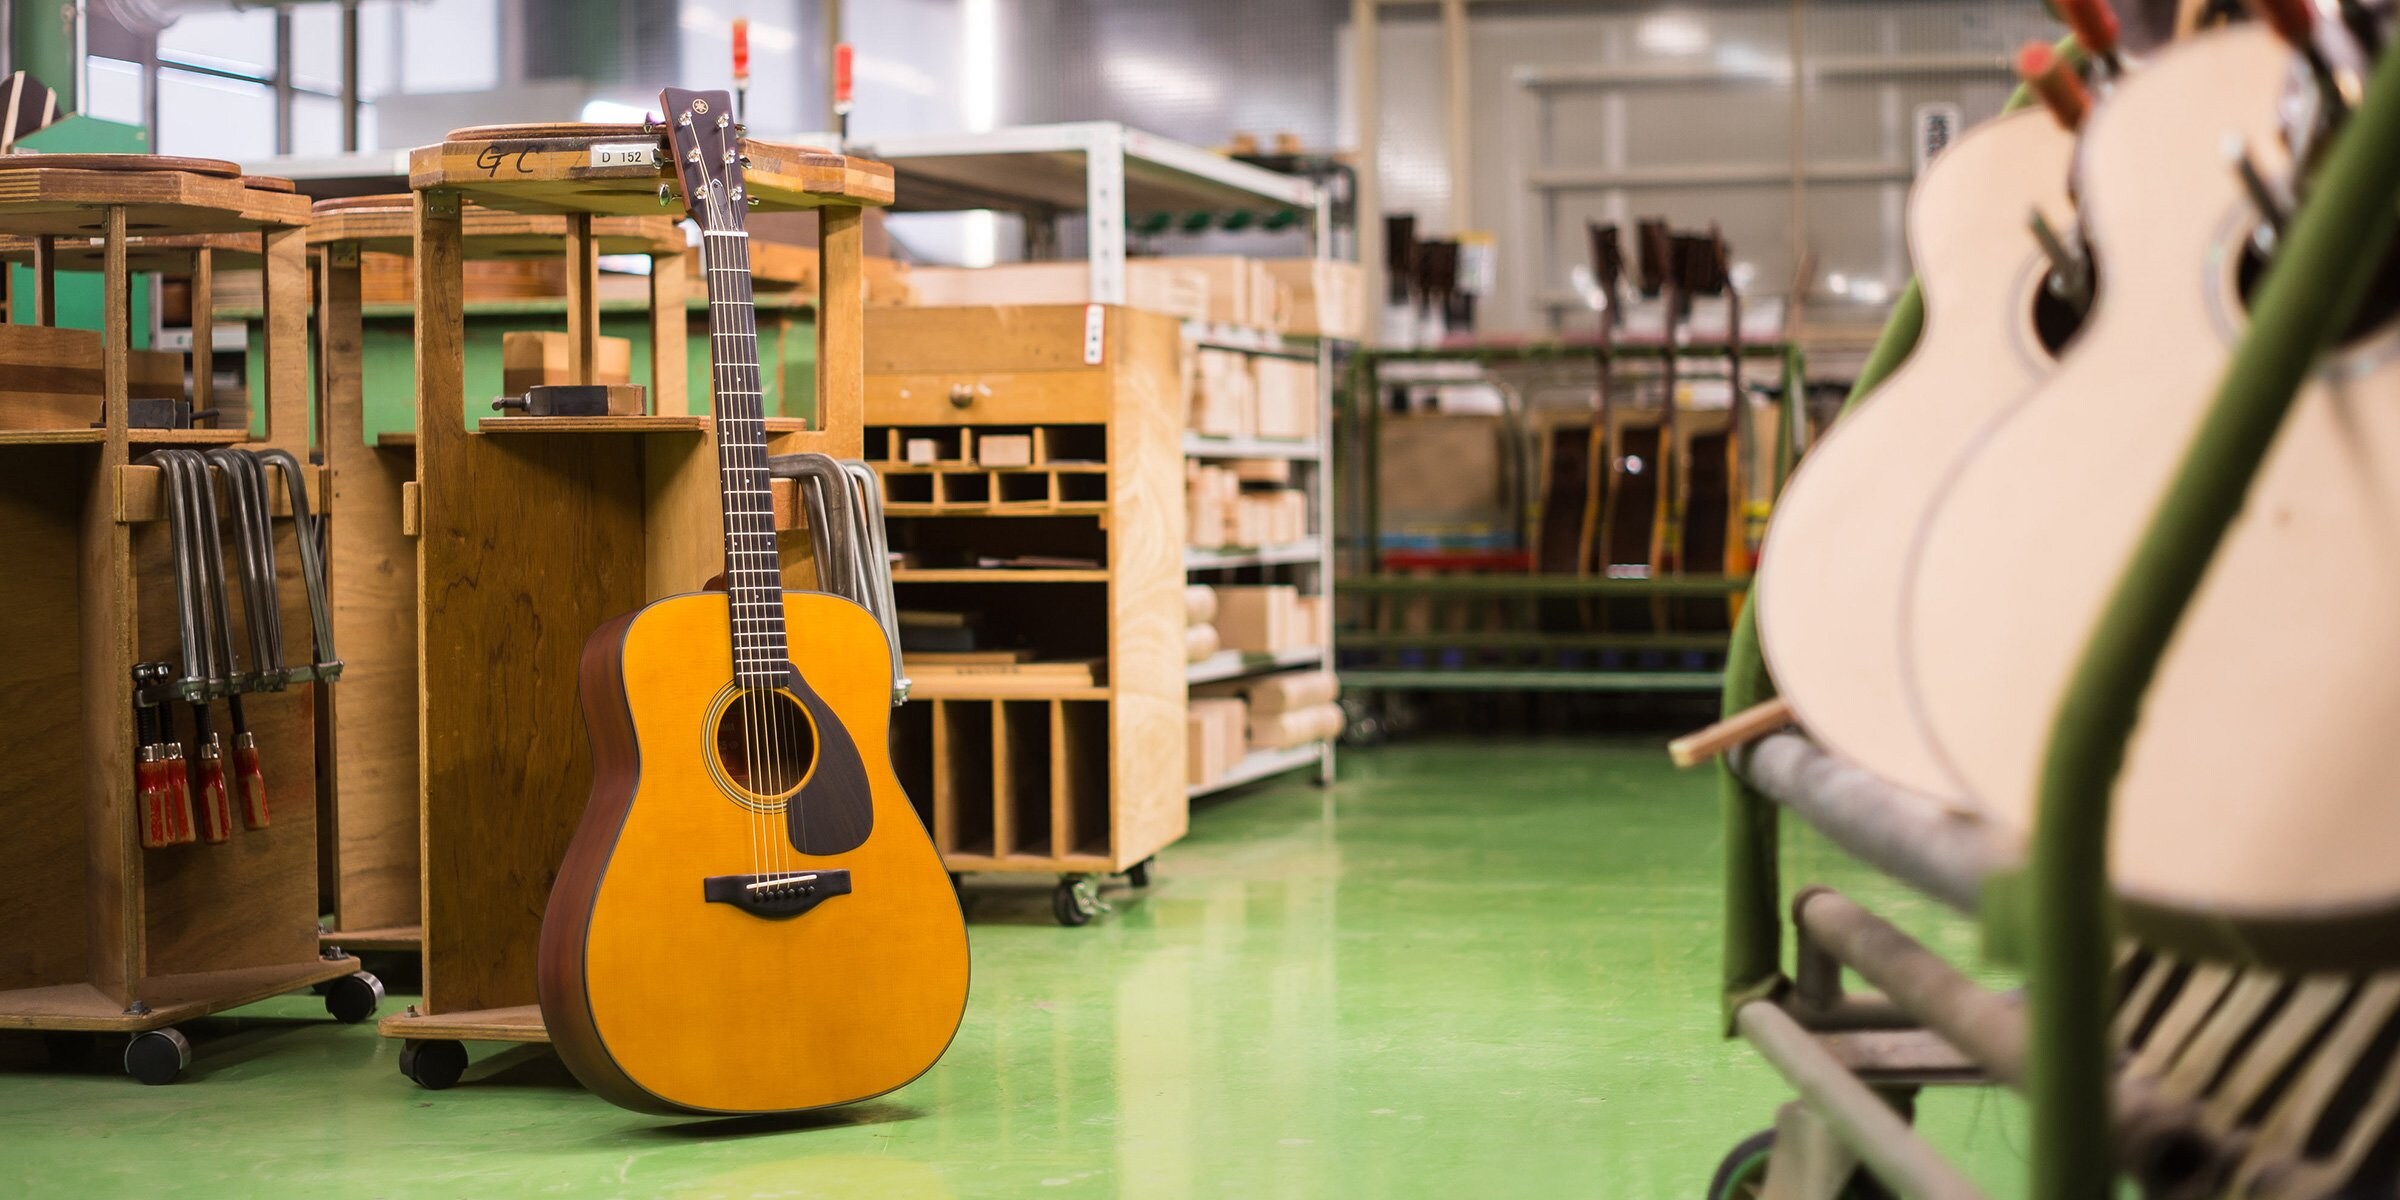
662, 1000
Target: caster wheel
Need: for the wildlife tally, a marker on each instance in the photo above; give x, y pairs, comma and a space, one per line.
1139, 874
353, 997
433, 1065
1742, 1174
1074, 903
65, 1051
157, 1056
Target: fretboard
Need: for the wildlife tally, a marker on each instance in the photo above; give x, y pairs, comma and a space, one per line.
760, 653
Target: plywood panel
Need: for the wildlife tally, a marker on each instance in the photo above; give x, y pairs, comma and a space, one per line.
373, 572
42, 490
1146, 583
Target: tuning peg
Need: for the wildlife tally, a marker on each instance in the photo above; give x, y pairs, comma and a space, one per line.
2053, 78
2095, 26
2070, 269
743, 159
2295, 21
666, 194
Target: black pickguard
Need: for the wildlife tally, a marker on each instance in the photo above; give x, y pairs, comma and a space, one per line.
834, 811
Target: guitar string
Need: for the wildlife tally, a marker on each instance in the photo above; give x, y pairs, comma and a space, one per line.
745, 403
727, 448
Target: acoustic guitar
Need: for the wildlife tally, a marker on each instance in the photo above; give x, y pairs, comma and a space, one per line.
2254, 812
1830, 580
751, 917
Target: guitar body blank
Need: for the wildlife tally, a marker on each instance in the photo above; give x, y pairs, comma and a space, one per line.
2253, 814
664, 1000
1833, 571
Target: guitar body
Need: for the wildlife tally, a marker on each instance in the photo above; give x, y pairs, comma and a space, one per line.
663, 1000
2254, 812
1834, 568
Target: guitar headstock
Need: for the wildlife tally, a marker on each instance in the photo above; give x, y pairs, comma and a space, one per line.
708, 157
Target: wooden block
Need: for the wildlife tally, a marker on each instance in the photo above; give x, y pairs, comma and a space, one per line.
411, 510
1318, 297
1199, 604
532, 357
923, 451
50, 378
1004, 450
1224, 400
1259, 619
1274, 471
1286, 398
1300, 726
1274, 695
1214, 739
1159, 286
1240, 292
1199, 642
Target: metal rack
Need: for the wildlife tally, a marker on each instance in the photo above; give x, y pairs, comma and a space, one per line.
1107, 175
1520, 656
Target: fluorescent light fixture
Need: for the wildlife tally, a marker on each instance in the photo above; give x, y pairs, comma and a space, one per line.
1671, 33
611, 112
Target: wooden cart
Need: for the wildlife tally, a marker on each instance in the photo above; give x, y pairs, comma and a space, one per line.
1065, 775
531, 531
105, 936
371, 825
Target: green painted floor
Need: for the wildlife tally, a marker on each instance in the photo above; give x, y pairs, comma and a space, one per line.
1468, 969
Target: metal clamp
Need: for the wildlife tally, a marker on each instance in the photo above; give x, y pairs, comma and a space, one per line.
846, 531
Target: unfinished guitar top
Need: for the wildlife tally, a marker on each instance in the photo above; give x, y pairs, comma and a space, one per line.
1831, 579
2253, 815
603, 169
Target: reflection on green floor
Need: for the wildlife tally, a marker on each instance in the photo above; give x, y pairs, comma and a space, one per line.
1479, 970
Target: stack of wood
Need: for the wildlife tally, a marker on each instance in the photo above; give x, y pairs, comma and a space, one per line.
1216, 737
1235, 394
1220, 511
1273, 618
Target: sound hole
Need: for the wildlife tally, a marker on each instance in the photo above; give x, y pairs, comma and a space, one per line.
765, 742
2380, 305
2056, 320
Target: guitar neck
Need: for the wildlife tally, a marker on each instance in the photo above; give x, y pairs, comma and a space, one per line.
753, 580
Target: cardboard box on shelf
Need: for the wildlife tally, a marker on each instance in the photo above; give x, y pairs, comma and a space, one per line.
1157, 285
1259, 618
1318, 297
534, 357
1287, 398
1216, 737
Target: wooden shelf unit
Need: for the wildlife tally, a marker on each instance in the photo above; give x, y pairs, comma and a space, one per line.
370, 819
103, 934
526, 542
1080, 779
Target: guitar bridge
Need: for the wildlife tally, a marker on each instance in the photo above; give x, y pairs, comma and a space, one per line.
782, 894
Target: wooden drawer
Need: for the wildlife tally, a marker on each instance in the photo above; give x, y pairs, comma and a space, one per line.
982, 398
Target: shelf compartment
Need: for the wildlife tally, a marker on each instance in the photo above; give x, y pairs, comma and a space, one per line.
1021, 765
962, 776
1082, 779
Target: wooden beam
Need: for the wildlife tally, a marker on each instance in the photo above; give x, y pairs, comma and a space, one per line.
583, 299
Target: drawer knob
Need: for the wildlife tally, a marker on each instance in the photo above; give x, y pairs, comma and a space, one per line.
961, 395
